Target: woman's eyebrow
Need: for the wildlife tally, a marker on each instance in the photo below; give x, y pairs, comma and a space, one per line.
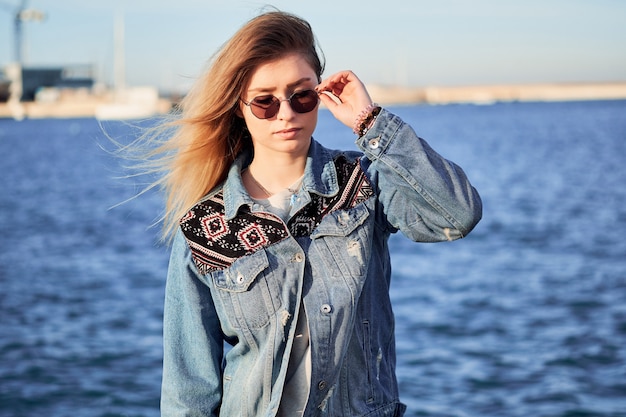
300, 81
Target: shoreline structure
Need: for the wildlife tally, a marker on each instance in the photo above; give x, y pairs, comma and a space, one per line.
79, 103
487, 94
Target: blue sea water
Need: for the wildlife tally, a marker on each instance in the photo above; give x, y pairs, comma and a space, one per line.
524, 317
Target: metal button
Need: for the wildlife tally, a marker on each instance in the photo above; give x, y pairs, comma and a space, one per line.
326, 308
373, 143
240, 279
321, 385
298, 257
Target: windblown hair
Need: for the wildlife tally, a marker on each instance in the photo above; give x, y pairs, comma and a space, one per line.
208, 134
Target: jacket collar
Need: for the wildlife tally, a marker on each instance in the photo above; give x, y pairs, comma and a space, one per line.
320, 177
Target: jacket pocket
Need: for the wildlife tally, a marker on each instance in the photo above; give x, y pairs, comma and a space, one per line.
343, 241
247, 296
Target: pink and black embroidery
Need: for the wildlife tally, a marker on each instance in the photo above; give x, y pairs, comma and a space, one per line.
216, 242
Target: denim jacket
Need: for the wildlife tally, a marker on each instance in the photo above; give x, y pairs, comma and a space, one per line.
238, 275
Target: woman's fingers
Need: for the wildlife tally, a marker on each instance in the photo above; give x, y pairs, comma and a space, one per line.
345, 96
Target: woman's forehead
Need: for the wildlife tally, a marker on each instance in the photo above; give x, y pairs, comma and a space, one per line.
287, 72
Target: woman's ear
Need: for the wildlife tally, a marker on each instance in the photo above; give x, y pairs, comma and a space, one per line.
239, 109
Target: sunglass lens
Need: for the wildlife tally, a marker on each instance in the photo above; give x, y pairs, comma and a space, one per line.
304, 101
265, 107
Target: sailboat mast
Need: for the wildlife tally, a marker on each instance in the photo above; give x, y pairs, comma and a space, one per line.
119, 54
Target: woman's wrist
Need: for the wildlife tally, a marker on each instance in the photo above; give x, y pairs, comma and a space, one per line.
366, 119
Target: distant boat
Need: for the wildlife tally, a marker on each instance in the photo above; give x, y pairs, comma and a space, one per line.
128, 103
131, 103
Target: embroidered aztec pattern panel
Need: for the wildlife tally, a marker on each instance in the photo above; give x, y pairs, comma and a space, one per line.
216, 243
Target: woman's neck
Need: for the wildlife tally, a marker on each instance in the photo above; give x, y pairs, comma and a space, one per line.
265, 177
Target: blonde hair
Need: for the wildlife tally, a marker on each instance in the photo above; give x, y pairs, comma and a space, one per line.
208, 134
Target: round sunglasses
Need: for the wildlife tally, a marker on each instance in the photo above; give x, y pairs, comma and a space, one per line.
264, 107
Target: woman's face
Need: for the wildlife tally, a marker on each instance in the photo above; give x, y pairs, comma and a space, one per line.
287, 131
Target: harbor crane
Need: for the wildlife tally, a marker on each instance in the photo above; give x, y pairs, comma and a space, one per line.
21, 14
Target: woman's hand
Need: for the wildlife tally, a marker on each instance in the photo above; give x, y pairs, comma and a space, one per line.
345, 96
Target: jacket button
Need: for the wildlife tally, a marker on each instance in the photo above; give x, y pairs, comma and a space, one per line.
298, 257
373, 143
240, 279
322, 385
326, 308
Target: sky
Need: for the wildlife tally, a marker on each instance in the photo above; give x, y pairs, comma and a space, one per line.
168, 43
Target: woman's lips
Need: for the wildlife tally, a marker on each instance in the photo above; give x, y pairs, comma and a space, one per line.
289, 133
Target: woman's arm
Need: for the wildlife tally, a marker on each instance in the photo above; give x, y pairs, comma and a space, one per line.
192, 341
424, 195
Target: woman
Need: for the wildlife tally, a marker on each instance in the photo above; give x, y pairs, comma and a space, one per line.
280, 249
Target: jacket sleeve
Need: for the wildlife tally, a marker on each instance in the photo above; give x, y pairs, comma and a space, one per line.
192, 341
422, 194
